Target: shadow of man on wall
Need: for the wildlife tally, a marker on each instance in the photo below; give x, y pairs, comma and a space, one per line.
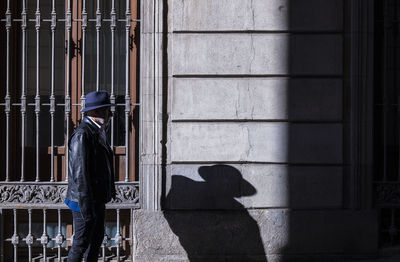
210, 223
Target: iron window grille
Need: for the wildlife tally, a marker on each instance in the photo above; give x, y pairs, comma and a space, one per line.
53, 53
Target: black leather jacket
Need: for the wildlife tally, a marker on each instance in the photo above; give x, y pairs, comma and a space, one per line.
90, 171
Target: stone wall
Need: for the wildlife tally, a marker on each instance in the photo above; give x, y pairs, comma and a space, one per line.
256, 147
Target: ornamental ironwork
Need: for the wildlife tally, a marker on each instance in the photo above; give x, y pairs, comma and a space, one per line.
387, 194
44, 195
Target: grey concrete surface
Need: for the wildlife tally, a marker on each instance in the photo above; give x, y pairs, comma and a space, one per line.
209, 15
253, 141
195, 235
260, 99
253, 186
273, 54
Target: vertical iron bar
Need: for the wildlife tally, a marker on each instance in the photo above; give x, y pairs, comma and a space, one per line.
127, 95
384, 102
395, 78
1, 235
112, 96
59, 237
23, 87
73, 232
118, 238
392, 229
52, 97
15, 237
103, 251
44, 240
139, 98
37, 98
105, 240
104, 244
67, 96
59, 234
98, 26
84, 25
29, 237
7, 98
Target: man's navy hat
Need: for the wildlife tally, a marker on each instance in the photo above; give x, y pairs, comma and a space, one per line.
96, 99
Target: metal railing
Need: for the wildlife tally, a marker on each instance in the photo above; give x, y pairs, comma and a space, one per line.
29, 240
387, 146
21, 196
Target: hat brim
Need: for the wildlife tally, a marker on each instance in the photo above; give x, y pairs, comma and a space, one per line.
95, 107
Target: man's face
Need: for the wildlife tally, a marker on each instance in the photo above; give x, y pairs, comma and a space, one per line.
104, 113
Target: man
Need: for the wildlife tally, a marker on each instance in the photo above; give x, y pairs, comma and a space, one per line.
90, 177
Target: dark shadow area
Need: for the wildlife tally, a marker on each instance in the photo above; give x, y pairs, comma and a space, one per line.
220, 228
164, 138
323, 187
386, 111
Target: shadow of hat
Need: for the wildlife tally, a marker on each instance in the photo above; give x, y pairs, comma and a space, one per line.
226, 180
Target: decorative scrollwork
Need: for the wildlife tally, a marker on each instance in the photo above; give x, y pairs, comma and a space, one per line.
51, 195
127, 194
32, 194
387, 194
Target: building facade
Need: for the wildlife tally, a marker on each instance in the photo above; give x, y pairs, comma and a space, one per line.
250, 130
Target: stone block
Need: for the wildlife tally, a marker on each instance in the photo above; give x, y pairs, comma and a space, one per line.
316, 143
256, 142
226, 15
315, 99
340, 232
195, 187
314, 187
260, 54
245, 235
261, 99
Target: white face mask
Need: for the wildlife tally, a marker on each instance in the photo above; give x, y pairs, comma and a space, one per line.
102, 123
100, 120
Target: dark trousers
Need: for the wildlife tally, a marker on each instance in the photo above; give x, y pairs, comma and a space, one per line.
88, 236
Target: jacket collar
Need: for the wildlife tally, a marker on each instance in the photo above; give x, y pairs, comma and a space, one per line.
94, 122
94, 128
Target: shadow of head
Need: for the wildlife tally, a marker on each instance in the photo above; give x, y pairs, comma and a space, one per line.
211, 224
217, 188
